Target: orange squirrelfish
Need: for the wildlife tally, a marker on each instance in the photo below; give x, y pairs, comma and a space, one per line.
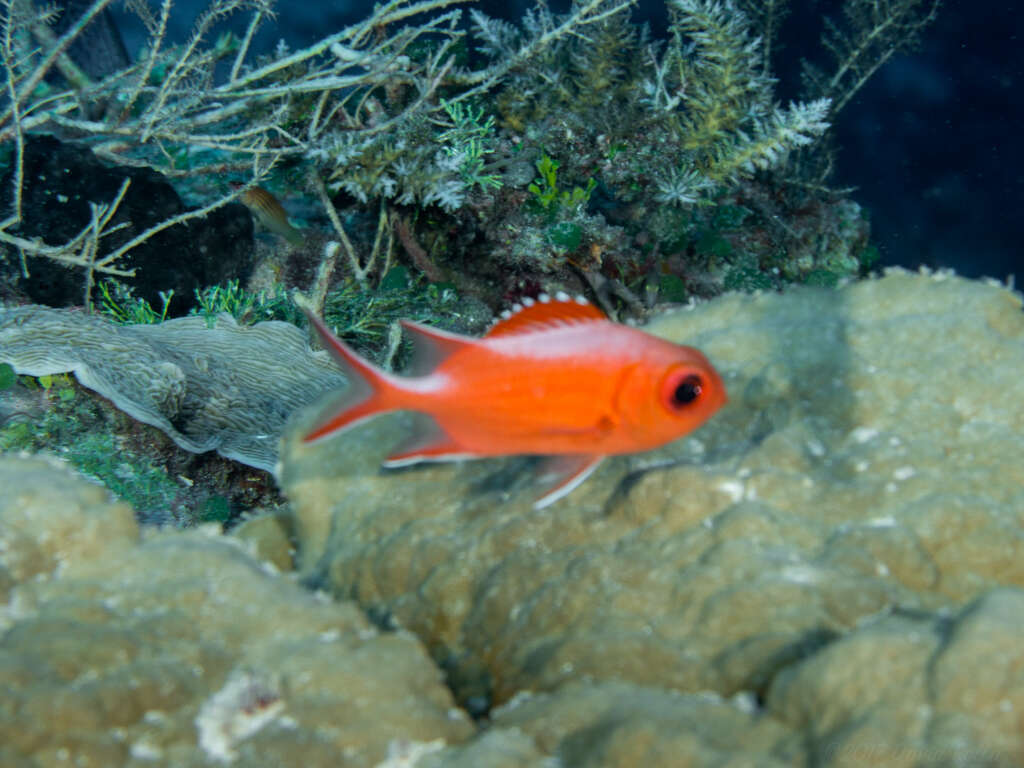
555, 378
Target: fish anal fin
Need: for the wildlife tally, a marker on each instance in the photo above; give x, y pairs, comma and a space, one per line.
544, 313
559, 475
426, 442
431, 346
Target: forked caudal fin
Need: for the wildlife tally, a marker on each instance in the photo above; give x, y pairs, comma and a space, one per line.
370, 390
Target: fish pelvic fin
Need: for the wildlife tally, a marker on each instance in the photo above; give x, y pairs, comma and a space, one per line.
561, 474
370, 390
427, 442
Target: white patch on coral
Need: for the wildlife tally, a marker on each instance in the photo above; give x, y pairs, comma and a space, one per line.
800, 574
903, 473
403, 753
746, 702
732, 488
146, 750
242, 707
517, 700
863, 434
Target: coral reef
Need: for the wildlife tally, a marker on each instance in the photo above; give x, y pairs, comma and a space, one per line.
439, 126
849, 479
829, 574
136, 462
182, 649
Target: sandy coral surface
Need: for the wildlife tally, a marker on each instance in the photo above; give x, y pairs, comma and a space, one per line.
182, 649
830, 573
818, 546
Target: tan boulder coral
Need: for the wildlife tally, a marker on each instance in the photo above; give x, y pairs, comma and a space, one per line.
616, 725
180, 649
829, 573
869, 459
911, 690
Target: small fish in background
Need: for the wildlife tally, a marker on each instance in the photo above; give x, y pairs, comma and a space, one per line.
270, 213
556, 378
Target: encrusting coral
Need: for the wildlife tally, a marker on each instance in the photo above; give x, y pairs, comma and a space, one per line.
183, 649
847, 480
827, 574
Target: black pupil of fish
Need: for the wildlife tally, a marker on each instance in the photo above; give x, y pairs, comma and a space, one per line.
687, 390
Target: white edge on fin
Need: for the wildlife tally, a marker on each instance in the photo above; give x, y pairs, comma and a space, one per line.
321, 422
410, 460
565, 489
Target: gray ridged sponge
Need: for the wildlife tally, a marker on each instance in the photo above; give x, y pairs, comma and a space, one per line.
228, 388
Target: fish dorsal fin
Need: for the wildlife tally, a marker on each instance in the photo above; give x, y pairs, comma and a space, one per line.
545, 312
431, 346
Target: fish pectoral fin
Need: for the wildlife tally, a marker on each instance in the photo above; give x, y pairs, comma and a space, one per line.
427, 442
561, 474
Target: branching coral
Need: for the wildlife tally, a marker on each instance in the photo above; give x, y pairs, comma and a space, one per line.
697, 114
870, 33
434, 155
169, 112
411, 111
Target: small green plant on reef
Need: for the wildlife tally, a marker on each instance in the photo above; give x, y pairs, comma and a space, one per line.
546, 194
120, 304
245, 306
560, 210
367, 319
468, 142
7, 376
73, 428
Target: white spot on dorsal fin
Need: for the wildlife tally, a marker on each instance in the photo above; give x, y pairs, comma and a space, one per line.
581, 300
543, 298
538, 315
528, 302
561, 296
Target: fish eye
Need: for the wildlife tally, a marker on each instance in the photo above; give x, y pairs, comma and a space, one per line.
681, 388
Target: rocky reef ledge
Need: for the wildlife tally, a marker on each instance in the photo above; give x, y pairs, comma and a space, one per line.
830, 573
